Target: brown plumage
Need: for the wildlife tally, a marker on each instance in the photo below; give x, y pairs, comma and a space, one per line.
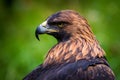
76, 56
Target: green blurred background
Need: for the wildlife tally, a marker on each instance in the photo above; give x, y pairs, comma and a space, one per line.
21, 52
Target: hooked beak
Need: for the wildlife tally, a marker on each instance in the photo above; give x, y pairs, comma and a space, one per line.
43, 28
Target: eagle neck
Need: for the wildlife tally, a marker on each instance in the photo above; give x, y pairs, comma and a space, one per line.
73, 50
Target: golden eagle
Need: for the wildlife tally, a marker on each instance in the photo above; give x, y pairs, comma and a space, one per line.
76, 56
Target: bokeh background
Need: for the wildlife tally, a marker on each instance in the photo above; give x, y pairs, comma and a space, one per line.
21, 52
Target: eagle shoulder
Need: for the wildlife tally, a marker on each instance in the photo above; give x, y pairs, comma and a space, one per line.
93, 69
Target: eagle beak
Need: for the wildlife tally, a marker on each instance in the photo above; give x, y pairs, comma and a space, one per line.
43, 28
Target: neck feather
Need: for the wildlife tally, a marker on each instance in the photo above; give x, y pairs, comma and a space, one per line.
73, 50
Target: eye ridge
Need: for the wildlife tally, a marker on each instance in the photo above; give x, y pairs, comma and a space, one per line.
60, 24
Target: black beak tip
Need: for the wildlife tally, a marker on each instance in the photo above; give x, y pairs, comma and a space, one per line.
36, 34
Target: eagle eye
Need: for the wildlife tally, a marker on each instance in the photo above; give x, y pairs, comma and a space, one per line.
60, 25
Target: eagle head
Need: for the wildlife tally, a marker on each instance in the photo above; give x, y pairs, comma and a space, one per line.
63, 25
